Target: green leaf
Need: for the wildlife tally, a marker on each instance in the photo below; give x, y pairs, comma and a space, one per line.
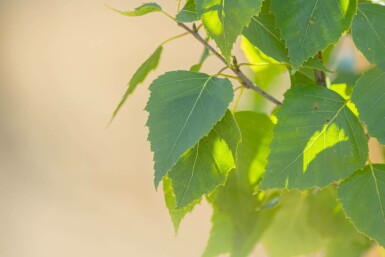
141, 10
183, 107
328, 219
263, 34
139, 76
313, 222
363, 200
368, 31
188, 12
289, 229
369, 97
239, 219
203, 168
317, 140
224, 20
257, 133
308, 26
176, 214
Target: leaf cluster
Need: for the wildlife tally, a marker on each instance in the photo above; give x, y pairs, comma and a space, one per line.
297, 179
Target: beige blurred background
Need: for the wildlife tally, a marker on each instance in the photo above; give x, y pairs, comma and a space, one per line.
68, 186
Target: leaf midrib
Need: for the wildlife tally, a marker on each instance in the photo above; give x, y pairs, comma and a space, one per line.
185, 124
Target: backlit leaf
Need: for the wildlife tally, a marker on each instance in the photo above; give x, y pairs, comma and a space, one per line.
176, 214
317, 140
203, 168
239, 219
224, 20
139, 76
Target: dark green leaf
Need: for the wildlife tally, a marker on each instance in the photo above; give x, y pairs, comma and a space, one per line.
188, 12
368, 31
203, 168
139, 76
183, 108
363, 199
308, 26
318, 140
263, 34
369, 97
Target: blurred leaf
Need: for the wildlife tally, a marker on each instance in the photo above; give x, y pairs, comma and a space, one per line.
176, 214
178, 101
203, 168
346, 77
289, 234
257, 132
139, 76
312, 222
141, 10
265, 68
239, 219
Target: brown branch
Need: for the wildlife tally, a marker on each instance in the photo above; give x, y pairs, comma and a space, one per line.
235, 68
320, 77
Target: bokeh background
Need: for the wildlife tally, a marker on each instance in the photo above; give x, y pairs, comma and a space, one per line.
69, 186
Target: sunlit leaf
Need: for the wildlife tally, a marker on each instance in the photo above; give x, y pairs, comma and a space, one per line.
317, 140
239, 219
176, 215
224, 20
203, 168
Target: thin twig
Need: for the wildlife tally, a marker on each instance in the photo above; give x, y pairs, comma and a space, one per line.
228, 76
244, 79
320, 77
173, 38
